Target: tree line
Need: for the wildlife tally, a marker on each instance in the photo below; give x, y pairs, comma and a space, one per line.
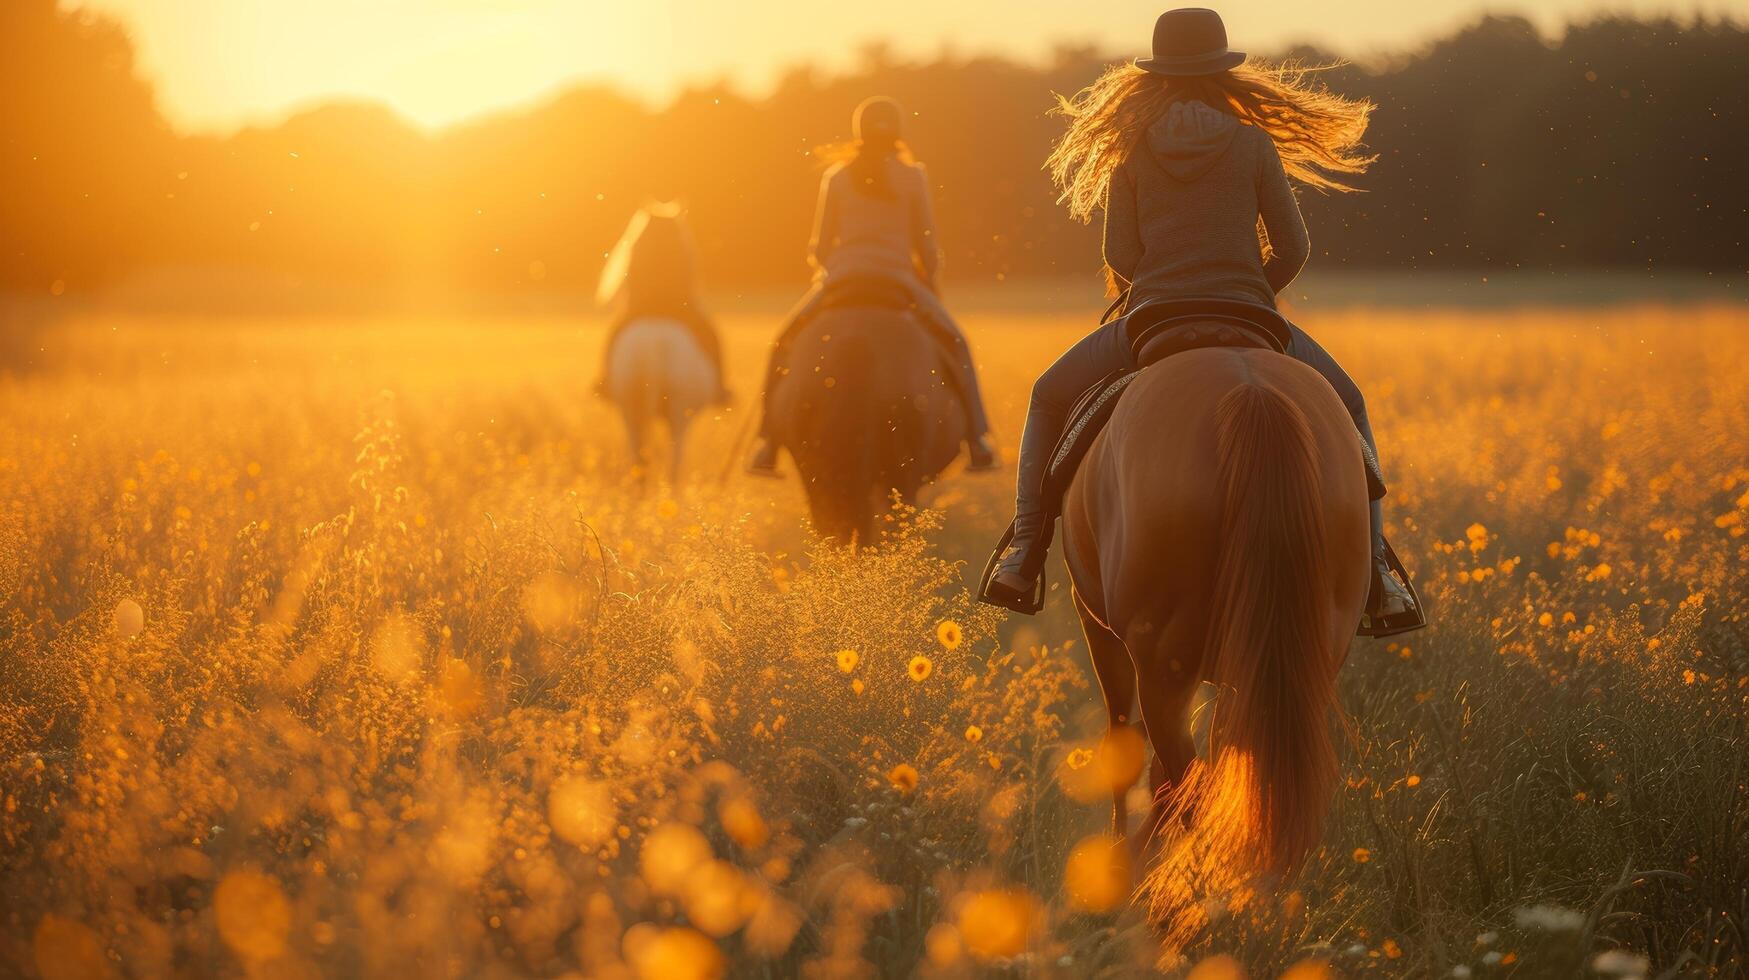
1615, 145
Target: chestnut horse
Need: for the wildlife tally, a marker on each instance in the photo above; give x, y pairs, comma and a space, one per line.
1217, 532
865, 411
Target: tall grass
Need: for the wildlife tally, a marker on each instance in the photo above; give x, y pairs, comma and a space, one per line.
353, 649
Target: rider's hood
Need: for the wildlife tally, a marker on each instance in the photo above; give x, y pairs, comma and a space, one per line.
1191, 138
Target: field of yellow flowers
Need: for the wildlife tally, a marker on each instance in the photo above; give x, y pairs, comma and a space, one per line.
356, 647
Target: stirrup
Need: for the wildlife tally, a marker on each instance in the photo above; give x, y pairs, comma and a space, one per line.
1026, 603
1372, 622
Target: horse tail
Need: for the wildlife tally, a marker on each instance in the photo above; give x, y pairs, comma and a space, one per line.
1257, 804
863, 492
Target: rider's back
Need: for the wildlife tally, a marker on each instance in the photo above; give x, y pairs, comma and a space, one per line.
1182, 218
874, 233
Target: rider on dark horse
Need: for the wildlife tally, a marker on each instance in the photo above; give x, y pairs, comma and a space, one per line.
875, 223
1189, 155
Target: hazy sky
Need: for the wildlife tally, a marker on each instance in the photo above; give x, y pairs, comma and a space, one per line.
221, 63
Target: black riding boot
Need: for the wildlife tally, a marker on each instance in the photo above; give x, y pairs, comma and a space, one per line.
762, 461
1392, 607
1012, 579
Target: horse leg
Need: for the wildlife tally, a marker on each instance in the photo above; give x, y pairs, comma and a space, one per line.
634, 442
1117, 680
676, 443
1165, 686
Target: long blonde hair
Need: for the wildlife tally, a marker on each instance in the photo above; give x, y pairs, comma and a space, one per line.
651, 268
1317, 132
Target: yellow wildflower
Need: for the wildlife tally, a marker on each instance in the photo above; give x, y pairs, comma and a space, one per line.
948, 632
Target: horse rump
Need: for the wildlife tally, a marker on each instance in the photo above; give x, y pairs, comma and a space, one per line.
1255, 805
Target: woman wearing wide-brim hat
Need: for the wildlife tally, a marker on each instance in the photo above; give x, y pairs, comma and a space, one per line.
1189, 154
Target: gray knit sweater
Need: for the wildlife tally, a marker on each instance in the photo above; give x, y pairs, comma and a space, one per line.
858, 233
1181, 214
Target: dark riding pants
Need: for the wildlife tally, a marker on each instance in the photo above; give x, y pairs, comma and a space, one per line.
956, 354
1106, 351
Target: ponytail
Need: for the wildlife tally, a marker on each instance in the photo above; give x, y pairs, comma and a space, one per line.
868, 167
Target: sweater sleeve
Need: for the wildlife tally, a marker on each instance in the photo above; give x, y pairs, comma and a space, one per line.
825, 224
925, 245
1123, 232
1289, 244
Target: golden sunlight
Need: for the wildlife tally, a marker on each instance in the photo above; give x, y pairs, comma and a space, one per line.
221, 63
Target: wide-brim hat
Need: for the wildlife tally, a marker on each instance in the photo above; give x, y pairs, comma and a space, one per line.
1190, 41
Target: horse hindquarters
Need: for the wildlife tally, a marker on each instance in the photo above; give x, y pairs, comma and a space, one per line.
1219, 527
658, 373
864, 415
836, 429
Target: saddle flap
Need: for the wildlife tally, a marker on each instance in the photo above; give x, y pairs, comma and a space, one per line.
1086, 419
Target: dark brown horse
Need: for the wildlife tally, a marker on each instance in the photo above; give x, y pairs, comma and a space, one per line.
864, 411
1217, 532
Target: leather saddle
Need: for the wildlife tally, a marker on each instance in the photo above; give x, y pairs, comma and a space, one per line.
1165, 327
1154, 331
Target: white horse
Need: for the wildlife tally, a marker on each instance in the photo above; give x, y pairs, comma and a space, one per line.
657, 372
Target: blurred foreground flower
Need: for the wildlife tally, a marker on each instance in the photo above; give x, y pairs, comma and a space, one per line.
582, 811
672, 954
1550, 918
1092, 776
743, 823
252, 914
128, 619
1621, 964
1097, 875
1217, 967
997, 923
948, 632
65, 950
669, 856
